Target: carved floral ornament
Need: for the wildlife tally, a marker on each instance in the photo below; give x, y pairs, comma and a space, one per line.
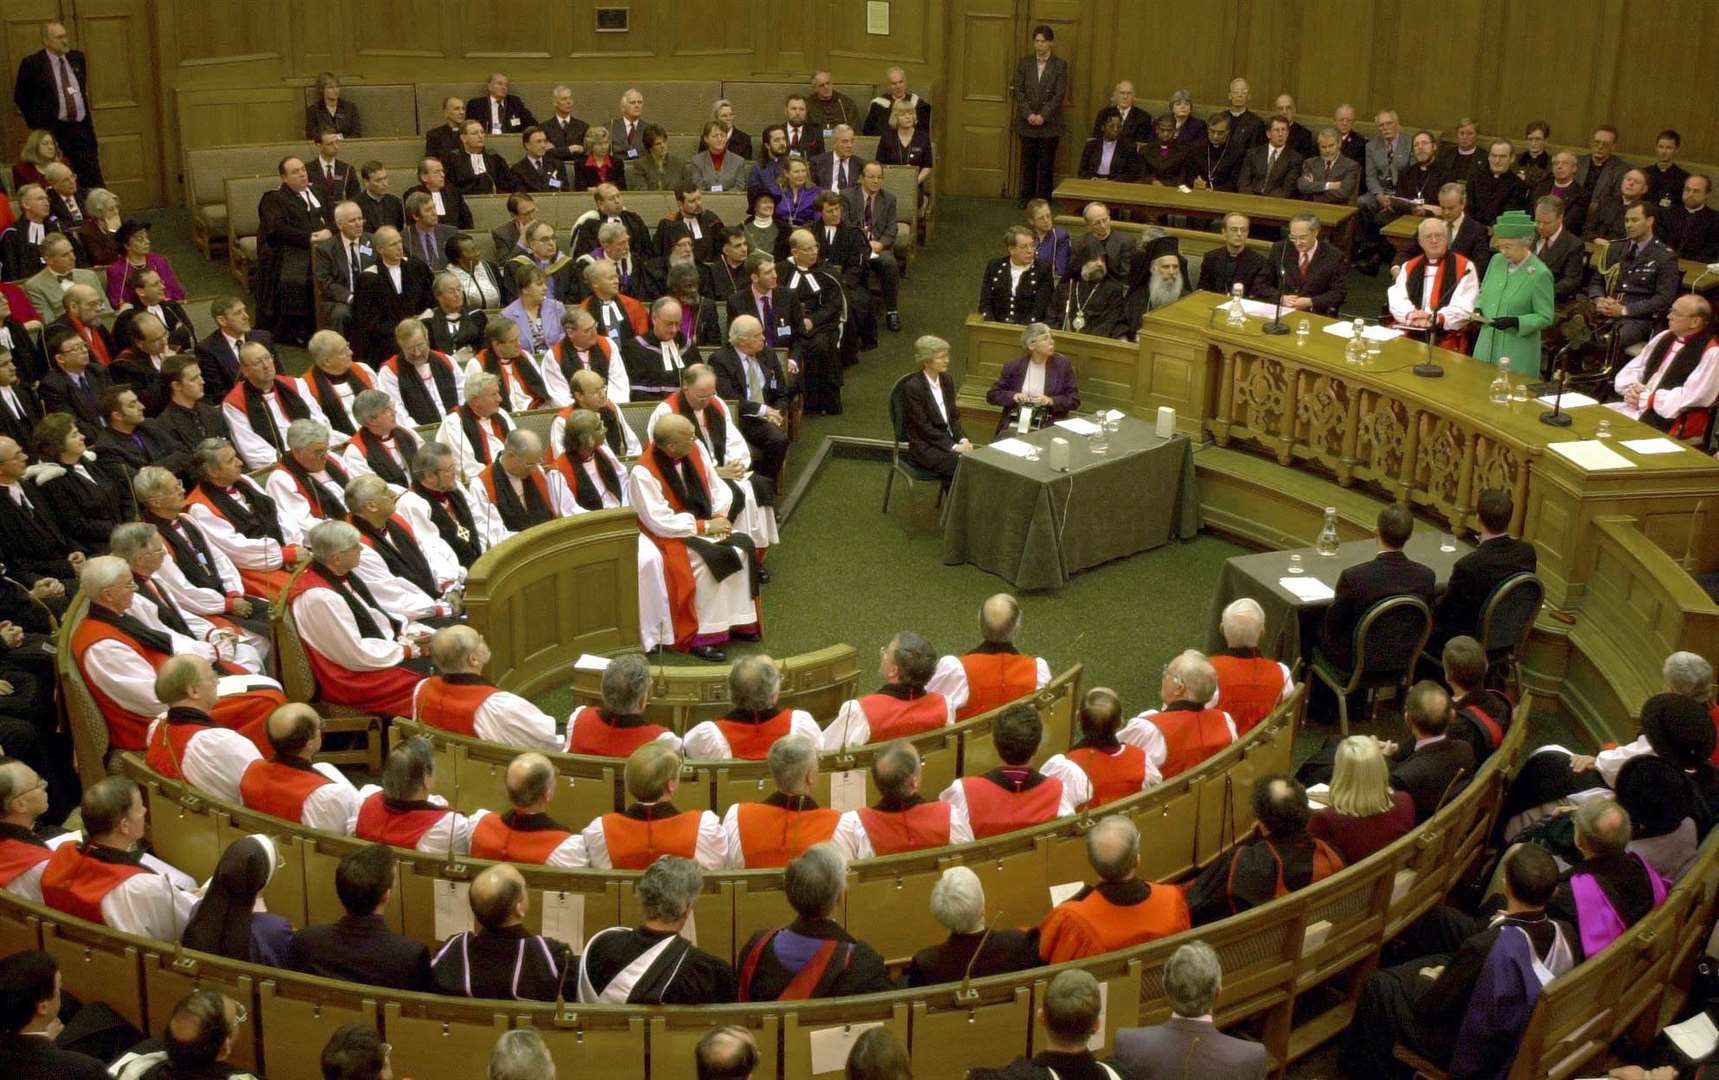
1384, 429
1264, 390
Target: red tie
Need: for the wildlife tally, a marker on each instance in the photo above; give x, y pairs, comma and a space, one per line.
794, 143
1304, 266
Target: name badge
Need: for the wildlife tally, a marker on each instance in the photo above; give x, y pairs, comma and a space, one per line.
632, 152
364, 249
716, 187
829, 133
554, 181
782, 330
513, 121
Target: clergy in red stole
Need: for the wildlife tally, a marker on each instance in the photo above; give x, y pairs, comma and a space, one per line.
187, 744
406, 814
24, 847
526, 833
684, 511
652, 826
1250, 686
903, 706
618, 726
1437, 289
748, 730
107, 879
1120, 910
773, 832
1015, 795
236, 516
289, 785
1186, 731
902, 819
1115, 768
357, 651
119, 656
459, 699
995, 672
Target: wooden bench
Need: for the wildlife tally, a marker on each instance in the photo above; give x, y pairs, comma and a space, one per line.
385, 110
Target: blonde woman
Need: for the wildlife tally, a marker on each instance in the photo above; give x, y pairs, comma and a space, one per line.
905, 144
39, 151
1364, 814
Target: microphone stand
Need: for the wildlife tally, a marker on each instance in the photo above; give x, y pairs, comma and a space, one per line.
1428, 368
1557, 417
1277, 326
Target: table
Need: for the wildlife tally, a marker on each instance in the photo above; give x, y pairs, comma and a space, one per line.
1157, 200
1035, 527
1293, 625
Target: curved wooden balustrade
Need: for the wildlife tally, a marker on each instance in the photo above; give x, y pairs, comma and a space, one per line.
473, 772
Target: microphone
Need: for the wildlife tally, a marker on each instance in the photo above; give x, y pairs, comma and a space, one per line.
1557, 417
1428, 368
1277, 326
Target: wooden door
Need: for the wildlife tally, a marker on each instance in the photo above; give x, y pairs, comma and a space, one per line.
1064, 17
20, 35
118, 37
974, 140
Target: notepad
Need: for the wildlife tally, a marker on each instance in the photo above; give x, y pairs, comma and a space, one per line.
1654, 446
1570, 401
1696, 1037
1306, 589
1059, 893
591, 662
1095, 1043
830, 1046
453, 908
847, 790
1018, 447
1592, 455
1372, 333
1078, 425
564, 918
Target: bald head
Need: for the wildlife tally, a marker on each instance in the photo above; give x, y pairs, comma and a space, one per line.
674, 433
498, 897
530, 783
295, 731
455, 650
1113, 848
999, 619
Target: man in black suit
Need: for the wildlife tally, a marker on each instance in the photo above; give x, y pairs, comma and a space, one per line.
443, 140
425, 239
1039, 89
566, 132
507, 237
538, 170
777, 309
36, 549
1313, 275
1217, 162
1235, 263
499, 112
842, 252
374, 200
52, 90
21, 343
838, 168
20, 409
612, 206
186, 417
1436, 766
826, 330
1271, 169
218, 354
750, 373
337, 263
1389, 573
30, 994
691, 220
1468, 237
871, 210
1561, 181
73, 384
122, 447
66, 195
1300, 136
451, 206
1559, 248
804, 139
360, 947
291, 219
331, 178
1472, 580
1136, 122
475, 170
21, 244
1017, 288
1689, 225
396, 287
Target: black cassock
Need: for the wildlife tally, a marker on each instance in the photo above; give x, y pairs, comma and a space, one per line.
283, 282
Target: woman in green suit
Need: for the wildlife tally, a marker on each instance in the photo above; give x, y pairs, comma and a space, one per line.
1516, 299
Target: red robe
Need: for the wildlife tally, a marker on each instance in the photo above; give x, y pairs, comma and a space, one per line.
387, 692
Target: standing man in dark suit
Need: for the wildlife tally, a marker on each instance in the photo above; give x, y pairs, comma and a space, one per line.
499, 112
475, 170
30, 987
1271, 169
1189, 1043
337, 263
1308, 275
1039, 87
52, 91
1560, 249
930, 419
1017, 288
1436, 766
748, 372
1472, 580
566, 132
20, 409
360, 947
1389, 573
871, 210
218, 354
396, 287
291, 219
539, 169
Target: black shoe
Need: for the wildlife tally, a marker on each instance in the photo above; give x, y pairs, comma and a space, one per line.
763, 576
746, 635
893, 321
709, 653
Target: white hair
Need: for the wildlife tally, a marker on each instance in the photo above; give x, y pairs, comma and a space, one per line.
1243, 621
958, 901
103, 572
1688, 674
306, 432
480, 383
329, 538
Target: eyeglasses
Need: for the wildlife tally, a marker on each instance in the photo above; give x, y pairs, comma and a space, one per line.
240, 1015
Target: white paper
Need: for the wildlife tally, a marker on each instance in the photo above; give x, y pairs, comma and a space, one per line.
1696, 1036
847, 789
591, 662
1318, 795
830, 1046
453, 908
564, 918
1315, 936
1016, 447
690, 930
1062, 892
1571, 400
1096, 1042
1078, 425
1308, 589
1654, 446
1258, 309
1372, 333
1402, 883
1592, 454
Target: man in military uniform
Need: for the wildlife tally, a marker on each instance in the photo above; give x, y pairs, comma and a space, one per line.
1638, 277
1017, 288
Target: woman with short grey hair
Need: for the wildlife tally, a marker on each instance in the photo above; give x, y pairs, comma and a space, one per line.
929, 419
958, 904
1041, 379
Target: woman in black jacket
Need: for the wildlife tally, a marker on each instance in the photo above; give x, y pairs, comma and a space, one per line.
86, 500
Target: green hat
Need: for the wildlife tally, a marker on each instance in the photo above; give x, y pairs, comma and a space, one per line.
1513, 225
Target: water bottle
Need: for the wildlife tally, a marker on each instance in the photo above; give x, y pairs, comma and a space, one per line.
1238, 317
1354, 350
1099, 441
1326, 545
1500, 389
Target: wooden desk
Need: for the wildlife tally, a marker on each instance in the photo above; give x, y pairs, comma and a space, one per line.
1156, 200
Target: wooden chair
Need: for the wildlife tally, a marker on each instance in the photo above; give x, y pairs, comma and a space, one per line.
898, 463
954, 1031
99, 964
674, 1036
1390, 635
300, 685
169, 977
585, 1043
434, 1036
801, 1026
88, 726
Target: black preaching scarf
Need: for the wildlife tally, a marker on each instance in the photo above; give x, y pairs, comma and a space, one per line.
479, 439
453, 520
568, 357
1683, 366
329, 506
170, 614
684, 482
262, 418
417, 399
612, 433
350, 589
400, 551
190, 551
718, 444
515, 514
134, 628
585, 492
328, 395
526, 372
381, 462
259, 521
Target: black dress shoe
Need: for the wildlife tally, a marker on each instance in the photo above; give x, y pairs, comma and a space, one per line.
746, 635
893, 321
709, 653
763, 576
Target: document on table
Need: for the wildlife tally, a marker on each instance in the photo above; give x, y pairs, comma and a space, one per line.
1371, 333
1654, 446
1571, 401
591, 662
1258, 309
1697, 1036
1309, 590
1592, 454
1018, 447
1078, 425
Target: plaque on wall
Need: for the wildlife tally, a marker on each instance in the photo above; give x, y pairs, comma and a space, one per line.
612, 20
